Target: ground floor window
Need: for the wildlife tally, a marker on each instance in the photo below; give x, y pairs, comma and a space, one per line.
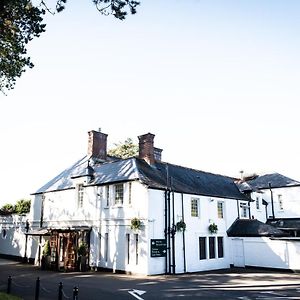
211, 247
220, 246
136, 249
128, 247
202, 247
106, 247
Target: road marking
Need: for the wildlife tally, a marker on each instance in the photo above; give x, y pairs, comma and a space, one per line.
273, 293
137, 294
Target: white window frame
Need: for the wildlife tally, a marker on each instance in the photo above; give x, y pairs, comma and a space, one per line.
244, 212
118, 201
107, 196
195, 212
257, 203
129, 193
221, 203
280, 202
80, 195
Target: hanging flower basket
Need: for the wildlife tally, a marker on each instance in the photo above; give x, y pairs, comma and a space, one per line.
213, 228
180, 226
135, 224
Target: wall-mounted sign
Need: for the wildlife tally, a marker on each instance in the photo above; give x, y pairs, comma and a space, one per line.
158, 247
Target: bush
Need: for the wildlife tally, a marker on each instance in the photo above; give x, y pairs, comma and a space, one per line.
46, 249
82, 249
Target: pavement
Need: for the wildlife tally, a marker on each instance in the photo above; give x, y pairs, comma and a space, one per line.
236, 283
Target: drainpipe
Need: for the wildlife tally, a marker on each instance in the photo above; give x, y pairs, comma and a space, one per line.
26, 240
183, 235
41, 225
272, 201
173, 232
169, 231
166, 228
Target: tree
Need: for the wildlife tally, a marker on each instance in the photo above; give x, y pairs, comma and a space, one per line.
22, 207
7, 209
21, 21
124, 149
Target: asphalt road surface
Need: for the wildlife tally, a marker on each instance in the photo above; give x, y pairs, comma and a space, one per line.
244, 284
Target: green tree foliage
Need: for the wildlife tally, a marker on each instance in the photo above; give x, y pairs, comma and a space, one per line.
46, 249
7, 209
124, 149
21, 21
22, 207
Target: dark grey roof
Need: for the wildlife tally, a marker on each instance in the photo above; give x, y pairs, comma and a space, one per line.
285, 224
275, 179
181, 179
253, 228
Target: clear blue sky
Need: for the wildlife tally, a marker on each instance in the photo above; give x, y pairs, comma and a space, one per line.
217, 82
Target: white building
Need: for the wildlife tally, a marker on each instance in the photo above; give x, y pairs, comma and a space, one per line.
99, 199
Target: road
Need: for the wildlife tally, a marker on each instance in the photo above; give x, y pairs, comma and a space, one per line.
244, 284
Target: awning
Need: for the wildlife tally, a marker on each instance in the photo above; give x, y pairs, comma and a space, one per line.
40, 231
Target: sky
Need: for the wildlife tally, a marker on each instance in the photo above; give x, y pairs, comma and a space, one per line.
216, 81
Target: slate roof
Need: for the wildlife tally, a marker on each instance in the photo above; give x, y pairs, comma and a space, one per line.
277, 180
253, 228
181, 179
285, 224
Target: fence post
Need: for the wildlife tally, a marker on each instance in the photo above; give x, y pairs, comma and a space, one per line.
37, 289
60, 290
9, 284
75, 293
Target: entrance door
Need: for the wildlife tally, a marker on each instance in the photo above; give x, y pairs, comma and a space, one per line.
238, 253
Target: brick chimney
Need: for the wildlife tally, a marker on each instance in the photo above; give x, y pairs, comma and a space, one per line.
97, 144
147, 151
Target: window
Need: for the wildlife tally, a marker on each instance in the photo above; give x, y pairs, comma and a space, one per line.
202, 247
106, 247
244, 212
195, 207
220, 210
136, 249
80, 195
107, 195
119, 194
220, 247
212, 247
257, 203
129, 192
280, 202
128, 247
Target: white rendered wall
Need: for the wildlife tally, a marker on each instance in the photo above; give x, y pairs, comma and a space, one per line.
195, 227
264, 252
14, 241
290, 199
